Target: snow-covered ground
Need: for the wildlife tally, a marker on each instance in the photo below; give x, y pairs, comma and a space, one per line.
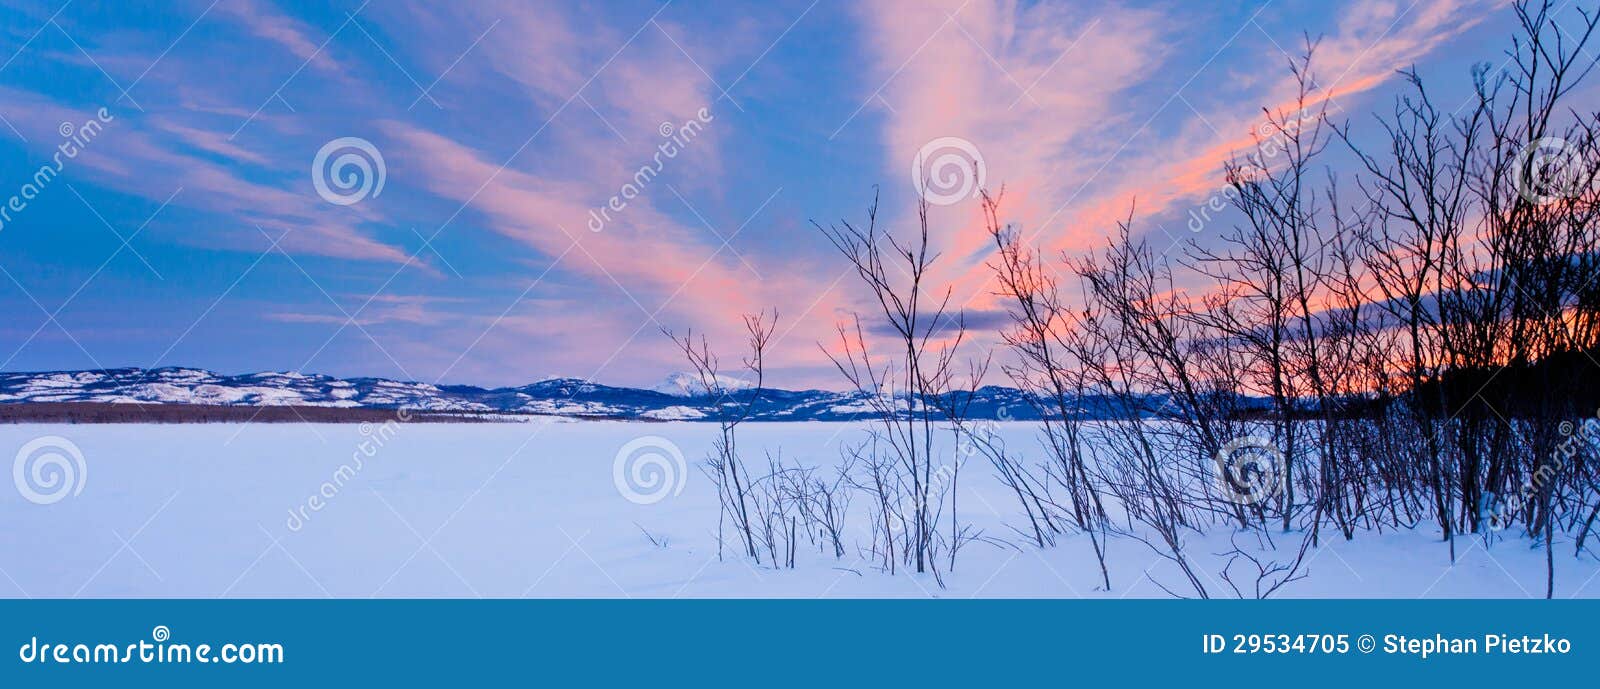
534, 509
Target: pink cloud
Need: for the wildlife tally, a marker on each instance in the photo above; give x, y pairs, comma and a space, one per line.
607, 92
1372, 42
296, 38
209, 141
1032, 87
1067, 180
643, 251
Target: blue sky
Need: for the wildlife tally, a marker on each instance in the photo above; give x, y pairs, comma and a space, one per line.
189, 230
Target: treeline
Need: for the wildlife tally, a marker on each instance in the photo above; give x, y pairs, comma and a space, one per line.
119, 412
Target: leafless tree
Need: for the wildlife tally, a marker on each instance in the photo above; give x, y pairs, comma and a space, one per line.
1052, 356
732, 405
908, 385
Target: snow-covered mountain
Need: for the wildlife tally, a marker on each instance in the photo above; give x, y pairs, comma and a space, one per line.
690, 385
682, 398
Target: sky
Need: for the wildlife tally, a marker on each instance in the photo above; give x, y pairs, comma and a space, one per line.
452, 192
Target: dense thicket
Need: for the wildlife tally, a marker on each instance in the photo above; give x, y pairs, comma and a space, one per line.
1413, 343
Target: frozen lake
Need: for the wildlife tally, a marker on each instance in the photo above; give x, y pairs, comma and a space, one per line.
534, 509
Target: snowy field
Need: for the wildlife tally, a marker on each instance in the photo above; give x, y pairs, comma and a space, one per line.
513, 510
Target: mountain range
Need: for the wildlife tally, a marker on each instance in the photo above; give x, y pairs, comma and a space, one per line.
680, 398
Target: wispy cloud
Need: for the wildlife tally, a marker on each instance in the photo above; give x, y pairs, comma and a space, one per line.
151, 158
1061, 101
507, 126
299, 40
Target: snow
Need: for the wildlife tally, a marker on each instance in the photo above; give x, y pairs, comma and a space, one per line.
690, 384
676, 412
532, 509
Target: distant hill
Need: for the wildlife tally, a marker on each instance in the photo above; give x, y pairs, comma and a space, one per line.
679, 399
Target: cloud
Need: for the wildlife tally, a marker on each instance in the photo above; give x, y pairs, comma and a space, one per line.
1373, 40
546, 111
144, 156
596, 99
382, 309
1033, 87
212, 142
287, 33
1043, 91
